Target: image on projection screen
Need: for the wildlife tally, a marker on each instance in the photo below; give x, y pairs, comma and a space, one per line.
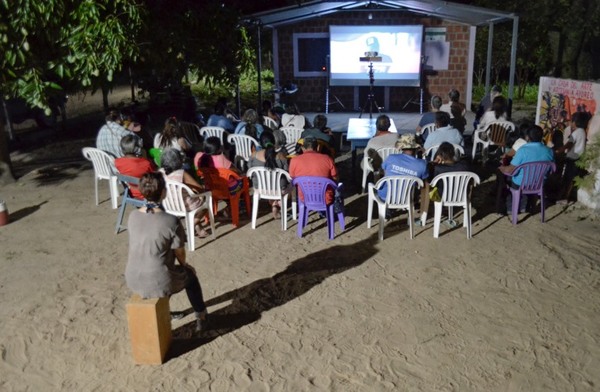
398, 49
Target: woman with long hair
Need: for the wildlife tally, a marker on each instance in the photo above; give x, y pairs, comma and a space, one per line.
270, 158
498, 112
171, 137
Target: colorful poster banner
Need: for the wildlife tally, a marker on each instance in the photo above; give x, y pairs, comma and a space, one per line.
559, 99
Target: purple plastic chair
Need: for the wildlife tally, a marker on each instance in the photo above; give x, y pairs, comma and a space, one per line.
532, 183
313, 189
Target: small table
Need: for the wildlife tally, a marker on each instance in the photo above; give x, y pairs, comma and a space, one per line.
360, 130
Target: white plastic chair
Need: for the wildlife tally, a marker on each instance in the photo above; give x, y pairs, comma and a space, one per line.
267, 186
219, 132
104, 169
459, 151
367, 167
429, 128
243, 146
399, 196
495, 135
456, 193
292, 135
174, 204
269, 122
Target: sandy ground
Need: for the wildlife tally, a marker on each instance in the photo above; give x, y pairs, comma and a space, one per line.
516, 308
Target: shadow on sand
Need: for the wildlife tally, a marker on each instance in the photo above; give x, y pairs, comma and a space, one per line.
249, 302
23, 212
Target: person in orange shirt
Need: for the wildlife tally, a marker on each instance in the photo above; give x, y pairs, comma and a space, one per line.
313, 163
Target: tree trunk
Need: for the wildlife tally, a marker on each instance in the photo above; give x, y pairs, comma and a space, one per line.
6, 171
105, 97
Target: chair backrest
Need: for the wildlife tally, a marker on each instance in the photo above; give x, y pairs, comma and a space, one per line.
534, 174
104, 163
292, 135
128, 182
429, 128
498, 131
385, 152
399, 189
313, 189
456, 186
191, 132
174, 203
459, 151
266, 181
269, 122
219, 132
216, 181
243, 144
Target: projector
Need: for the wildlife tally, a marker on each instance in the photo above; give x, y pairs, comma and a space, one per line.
371, 54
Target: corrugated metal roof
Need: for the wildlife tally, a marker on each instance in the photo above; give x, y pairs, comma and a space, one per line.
458, 13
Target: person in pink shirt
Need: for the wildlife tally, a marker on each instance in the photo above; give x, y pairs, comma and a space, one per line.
213, 156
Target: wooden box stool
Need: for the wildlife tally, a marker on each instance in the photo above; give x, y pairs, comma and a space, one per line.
149, 329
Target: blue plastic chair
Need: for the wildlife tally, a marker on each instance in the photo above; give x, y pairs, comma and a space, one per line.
313, 190
532, 183
127, 181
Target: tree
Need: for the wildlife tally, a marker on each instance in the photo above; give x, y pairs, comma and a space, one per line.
46, 44
556, 37
204, 37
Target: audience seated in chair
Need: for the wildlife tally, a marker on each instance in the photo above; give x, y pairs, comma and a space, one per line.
267, 110
271, 159
313, 163
486, 103
250, 117
444, 132
571, 151
533, 151
429, 117
172, 168
407, 164
454, 100
496, 113
319, 130
445, 162
132, 163
110, 135
293, 118
382, 138
222, 117
457, 119
171, 137
213, 157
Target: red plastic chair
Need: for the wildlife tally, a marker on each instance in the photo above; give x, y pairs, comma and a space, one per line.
314, 189
216, 180
532, 183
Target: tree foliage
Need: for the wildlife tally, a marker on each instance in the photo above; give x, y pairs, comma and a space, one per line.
46, 45
201, 37
556, 37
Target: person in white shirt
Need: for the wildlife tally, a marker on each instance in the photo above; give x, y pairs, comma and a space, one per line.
496, 113
444, 132
454, 99
110, 135
571, 151
382, 138
293, 118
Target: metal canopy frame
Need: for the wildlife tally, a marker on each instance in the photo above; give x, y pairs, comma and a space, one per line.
454, 12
